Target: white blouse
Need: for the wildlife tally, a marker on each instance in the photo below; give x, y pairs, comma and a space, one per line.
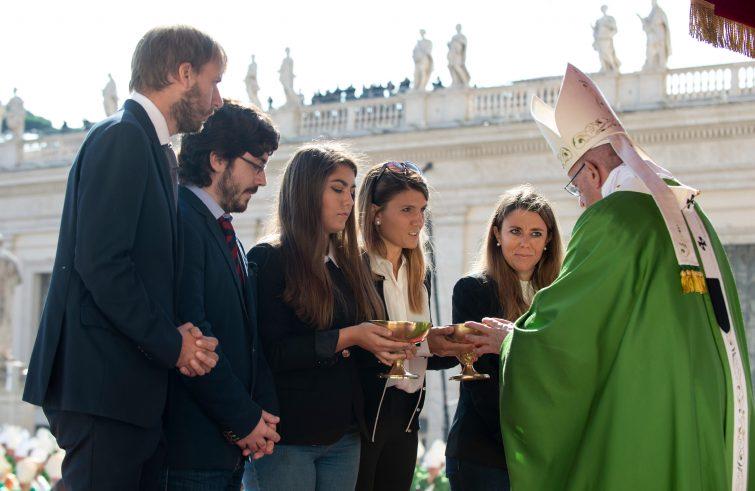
396, 293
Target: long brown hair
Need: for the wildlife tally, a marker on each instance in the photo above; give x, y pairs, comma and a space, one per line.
299, 232
492, 264
378, 188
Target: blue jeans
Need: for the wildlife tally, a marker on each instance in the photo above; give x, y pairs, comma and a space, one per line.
468, 476
250, 477
203, 480
311, 467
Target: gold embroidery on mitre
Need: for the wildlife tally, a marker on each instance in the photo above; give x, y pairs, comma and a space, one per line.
580, 139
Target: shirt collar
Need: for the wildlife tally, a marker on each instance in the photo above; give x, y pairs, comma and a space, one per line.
331, 256
382, 266
209, 202
157, 118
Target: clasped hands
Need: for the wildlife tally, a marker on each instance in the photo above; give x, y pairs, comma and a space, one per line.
198, 355
262, 439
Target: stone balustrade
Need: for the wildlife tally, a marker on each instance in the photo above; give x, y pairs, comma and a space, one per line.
442, 108
448, 107
711, 82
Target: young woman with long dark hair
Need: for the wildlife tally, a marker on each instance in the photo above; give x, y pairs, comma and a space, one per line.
316, 293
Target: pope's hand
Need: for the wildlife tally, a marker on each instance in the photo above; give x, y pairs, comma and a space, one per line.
490, 334
441, 345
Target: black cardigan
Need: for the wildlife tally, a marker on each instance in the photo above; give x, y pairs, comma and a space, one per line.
319, 393
475, 434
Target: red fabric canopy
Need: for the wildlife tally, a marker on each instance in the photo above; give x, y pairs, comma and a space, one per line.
728, 24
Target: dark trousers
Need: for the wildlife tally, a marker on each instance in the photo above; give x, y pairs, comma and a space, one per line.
387, 464
468, 476
107, 455
203, 480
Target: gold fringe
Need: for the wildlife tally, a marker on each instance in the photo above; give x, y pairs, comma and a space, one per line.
693, 281
706, 26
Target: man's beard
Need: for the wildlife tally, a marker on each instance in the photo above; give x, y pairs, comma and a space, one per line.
231, 194
187, 112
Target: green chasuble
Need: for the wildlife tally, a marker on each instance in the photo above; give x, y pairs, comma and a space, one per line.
615, 379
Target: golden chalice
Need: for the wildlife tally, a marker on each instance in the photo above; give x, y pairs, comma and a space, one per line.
467, 360
408, 332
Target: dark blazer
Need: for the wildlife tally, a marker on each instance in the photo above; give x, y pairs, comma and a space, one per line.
206, 414
107, 340
319, 393
370, 369
475, 434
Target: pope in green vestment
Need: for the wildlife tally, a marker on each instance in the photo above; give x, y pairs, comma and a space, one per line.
616, 379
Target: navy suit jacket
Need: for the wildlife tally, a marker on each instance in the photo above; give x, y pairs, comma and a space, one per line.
206, 414
107, 340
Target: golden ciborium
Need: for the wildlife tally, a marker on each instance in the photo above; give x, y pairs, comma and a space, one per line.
467, 360
407, 332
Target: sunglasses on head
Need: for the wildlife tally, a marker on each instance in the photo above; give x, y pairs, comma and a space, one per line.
399, 168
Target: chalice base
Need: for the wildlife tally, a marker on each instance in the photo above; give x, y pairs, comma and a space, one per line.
468, 373
398, 372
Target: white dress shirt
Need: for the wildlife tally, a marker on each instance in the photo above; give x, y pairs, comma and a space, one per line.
157, 118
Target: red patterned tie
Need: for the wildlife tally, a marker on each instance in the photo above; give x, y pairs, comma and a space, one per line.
233, 247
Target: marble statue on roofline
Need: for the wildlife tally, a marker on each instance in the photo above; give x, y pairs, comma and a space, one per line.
656, 29
603, 32
10, 277
110, 96
252, 86
15, 116
423, 61
457, 59
286, 77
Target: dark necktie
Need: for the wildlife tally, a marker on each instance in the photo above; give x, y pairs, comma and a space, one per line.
172, 169
233, 247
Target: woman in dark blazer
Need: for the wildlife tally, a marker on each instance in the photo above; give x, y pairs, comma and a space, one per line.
315, 294
520, 254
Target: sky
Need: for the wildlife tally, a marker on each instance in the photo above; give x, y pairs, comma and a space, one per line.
59, 53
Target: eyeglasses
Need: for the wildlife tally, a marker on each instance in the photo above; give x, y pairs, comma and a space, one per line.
259, 169
571, 188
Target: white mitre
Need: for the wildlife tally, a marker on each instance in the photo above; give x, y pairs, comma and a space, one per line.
582, 119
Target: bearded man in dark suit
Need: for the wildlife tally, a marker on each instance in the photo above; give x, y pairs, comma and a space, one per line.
110, 333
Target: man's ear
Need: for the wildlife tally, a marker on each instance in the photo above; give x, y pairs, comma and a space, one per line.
217, 163
592, 174
184, 76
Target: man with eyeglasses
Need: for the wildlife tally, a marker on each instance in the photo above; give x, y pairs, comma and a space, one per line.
212, 426
631, 370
